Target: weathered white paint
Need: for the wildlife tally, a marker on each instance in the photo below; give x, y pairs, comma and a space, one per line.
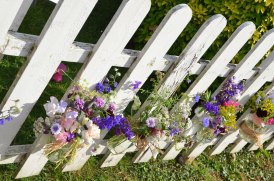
222, 58
8, 12
20, 15
115, 154
270, 145
36, 159
202, 40
238, 145
110, 45
42, 63
190, 55
223, 143
173, 150
198, 149
156, 48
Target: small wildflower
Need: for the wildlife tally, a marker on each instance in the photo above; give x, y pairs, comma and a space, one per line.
56, 128
150, 122
136, 85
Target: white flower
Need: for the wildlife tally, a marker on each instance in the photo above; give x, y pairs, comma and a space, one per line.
16, 109
54, 107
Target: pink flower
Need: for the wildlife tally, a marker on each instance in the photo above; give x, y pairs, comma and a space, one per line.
69, 124
61, 137
58, 75
270, 121
231, 103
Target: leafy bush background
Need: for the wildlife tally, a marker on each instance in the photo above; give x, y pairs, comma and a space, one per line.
261, 12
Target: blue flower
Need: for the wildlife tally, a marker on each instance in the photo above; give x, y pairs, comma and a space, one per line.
115, 84
2, 121
9, 118
100, 87
56, 128
206, 122
107, 88
197, 98
136, 85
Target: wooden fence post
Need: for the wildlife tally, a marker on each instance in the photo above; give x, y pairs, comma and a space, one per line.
42, 63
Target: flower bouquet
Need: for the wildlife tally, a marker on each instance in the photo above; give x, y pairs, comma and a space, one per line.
261, 116
156, 123
77, 121
218, 115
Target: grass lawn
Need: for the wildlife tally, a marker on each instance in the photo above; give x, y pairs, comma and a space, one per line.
243, 166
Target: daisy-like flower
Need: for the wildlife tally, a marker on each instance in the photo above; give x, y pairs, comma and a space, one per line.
56, 128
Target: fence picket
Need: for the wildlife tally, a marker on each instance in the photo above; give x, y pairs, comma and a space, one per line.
41, 65
8, 12
270, 145
158, 45
110, 45
36, 159
238, 146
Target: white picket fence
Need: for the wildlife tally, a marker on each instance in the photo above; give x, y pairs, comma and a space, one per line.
56, 43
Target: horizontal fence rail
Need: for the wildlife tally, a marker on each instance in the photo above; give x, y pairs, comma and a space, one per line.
56, 43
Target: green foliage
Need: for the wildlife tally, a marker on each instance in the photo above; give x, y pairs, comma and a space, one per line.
261, 12
264, 102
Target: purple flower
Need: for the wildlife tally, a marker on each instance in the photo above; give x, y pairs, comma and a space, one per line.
2, 121
71, 115
70, 136
56, 128
62, 106
136, 85
107, 88
206, 122
100, 87
197, 98
111, 107
150, 122
174, 131
99, 102
212, 108
115, 84
106, 81
118, 131
219, 130
79, 103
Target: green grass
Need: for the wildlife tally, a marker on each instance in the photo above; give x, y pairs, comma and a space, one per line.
246, 165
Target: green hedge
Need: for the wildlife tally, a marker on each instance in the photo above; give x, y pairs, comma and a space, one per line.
261, 12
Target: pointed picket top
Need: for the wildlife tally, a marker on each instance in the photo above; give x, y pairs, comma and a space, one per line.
218, 63
158, 45
195, 49
119, 31
265, 74
251, 58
